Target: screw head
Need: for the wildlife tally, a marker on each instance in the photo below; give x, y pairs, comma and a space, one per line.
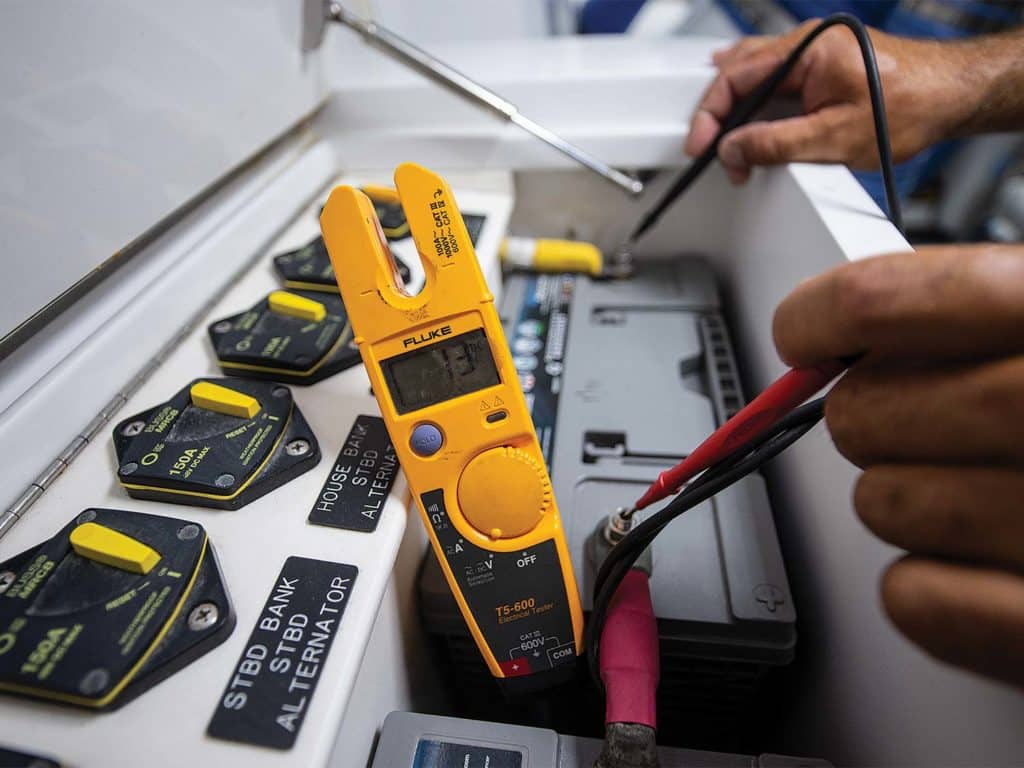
222, 327
769, 596
127, 469
94, 681
298, 447
87, 517
188, 532
6, 579
133, 428
203, 616
224, 481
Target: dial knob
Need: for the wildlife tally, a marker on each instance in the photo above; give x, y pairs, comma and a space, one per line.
504, 492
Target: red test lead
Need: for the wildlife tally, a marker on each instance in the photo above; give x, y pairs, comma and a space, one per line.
788, 392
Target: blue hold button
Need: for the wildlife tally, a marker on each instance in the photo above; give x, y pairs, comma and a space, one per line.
426, 440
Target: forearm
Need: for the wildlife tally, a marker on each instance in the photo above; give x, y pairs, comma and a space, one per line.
993, 80
933, 91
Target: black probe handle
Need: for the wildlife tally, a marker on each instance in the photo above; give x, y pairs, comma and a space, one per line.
739, 115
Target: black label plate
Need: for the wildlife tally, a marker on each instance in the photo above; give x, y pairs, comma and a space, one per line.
358, 484
431, 753
518, 599
11, 759
271, 688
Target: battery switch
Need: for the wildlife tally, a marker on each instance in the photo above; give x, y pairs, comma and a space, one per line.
230, 402
110, 547
293, 305
216, 443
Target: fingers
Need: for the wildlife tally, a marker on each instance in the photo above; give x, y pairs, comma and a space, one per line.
940, 303
968, 513
963, 415
810, 138
736, 81
732, 83
742, 67
703, 127
969, 616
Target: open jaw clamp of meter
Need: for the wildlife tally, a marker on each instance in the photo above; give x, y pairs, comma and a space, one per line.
450, 396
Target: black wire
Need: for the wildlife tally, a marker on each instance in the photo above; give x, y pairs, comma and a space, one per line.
809, 413
756, 99
716, 478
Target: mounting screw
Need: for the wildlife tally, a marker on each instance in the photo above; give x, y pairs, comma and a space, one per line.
188, 532
94, 681
222, 327
133, 428
127, 469
6, 579
224, 481
87, 517
297, 448
769, 596
203, 616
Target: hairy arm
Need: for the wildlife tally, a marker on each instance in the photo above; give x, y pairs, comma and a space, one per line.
933, 91
993, 68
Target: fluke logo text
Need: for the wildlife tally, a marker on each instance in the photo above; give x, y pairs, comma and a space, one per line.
412, 341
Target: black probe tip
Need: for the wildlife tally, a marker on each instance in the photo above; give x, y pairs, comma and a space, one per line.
637, 233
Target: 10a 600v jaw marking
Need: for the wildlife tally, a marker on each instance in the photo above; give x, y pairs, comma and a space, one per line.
450, 396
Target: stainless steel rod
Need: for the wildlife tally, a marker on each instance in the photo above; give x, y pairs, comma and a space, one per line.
434, 69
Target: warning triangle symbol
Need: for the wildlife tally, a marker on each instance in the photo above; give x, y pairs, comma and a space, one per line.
498, 401
484, 406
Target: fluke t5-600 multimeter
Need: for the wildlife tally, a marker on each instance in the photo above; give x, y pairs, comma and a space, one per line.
444, 378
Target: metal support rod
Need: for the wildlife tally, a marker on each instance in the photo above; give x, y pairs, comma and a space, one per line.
433, 69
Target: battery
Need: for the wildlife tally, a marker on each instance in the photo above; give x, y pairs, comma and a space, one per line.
623, 379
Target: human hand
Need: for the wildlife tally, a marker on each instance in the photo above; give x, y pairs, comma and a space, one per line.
933, 412
926, 86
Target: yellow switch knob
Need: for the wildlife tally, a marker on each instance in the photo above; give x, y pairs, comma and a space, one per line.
293, 305
110, 547
230, 402
504, 492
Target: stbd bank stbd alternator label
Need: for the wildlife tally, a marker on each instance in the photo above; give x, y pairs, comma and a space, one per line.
271, 688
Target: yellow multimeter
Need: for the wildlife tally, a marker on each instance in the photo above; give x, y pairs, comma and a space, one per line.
449, 393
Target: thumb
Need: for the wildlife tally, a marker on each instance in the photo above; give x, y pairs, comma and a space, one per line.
808, 138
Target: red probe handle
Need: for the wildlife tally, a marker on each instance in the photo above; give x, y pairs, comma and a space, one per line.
781, 397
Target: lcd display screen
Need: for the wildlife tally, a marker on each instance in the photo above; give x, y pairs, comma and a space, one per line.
444, 370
